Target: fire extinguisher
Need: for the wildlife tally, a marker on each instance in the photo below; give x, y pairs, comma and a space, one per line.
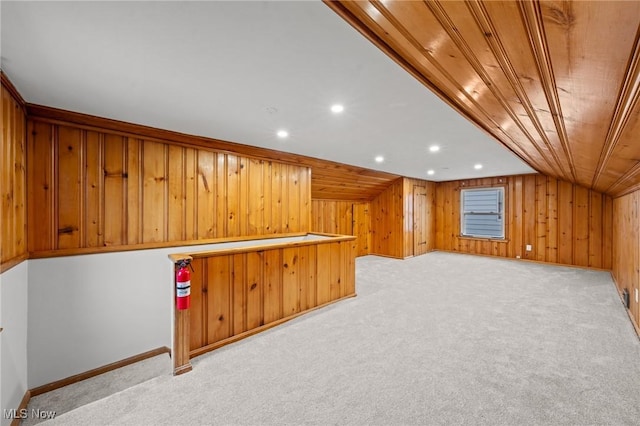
183, 285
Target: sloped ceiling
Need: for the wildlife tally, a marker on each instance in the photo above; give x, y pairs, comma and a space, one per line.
239, 71
557, 82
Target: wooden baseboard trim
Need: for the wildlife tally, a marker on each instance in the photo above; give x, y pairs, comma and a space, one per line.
523, 259
631, 318
232, 339
8, 264
633, 321
97, 371
23, 406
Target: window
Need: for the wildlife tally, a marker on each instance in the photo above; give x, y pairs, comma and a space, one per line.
482, 212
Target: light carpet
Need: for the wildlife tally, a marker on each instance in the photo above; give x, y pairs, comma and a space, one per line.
438, 339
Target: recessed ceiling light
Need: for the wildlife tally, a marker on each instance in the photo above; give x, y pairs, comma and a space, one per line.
477, 166
430, 172
434, 148
379, 159
282, 133
337, 108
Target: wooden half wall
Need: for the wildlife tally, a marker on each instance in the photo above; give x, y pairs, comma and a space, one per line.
626, 249
13, 185
564, 223
95, 188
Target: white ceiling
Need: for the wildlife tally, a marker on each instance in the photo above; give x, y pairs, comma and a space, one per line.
240, 71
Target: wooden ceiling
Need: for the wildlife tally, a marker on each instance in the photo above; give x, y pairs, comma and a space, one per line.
556, 82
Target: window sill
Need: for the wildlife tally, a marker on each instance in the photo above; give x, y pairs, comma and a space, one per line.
497, 240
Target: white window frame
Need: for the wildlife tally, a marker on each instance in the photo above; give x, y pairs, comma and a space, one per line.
500, 212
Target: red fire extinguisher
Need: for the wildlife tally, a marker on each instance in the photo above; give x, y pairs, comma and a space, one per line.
183, 286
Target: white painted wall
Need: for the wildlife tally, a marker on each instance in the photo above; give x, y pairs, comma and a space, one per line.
13, 340
91, 310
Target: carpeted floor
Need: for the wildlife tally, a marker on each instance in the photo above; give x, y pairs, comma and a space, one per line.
438, 339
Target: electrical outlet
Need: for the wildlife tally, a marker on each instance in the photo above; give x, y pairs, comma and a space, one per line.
528, 248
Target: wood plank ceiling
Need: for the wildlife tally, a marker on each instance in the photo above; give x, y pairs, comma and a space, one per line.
556, 82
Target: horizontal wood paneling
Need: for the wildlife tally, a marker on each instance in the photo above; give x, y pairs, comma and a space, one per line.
235, 295
563, 222
626, 248
344, 218
13, 188
92, 189
330, 180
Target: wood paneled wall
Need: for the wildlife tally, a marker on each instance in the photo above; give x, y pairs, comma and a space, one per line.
564, 223
392, 219
92, 188
344, 218
236, 294
13, 188
422, 221
387, 221
626, 248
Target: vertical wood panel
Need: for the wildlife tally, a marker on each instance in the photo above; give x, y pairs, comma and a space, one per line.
552, 220
284, 197
272, 285
197, 318
177, 183
290, 281
154, 204
239, 296
607, 238
19, 156
219, 284
581, 225
387, 221
233, 196
206, 195
254, 289
336, 289
541, 209
221, 205
134, 185
565, 222
13, 179
69, 187
41, 187
293, 200
304, 187
529, 216
323, 274
517, 195
306, 278
94, 190
626, 248
255, 198
115, 204
267, 217
191, 200
595, 233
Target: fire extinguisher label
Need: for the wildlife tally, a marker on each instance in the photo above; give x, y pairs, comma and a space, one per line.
183, 289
